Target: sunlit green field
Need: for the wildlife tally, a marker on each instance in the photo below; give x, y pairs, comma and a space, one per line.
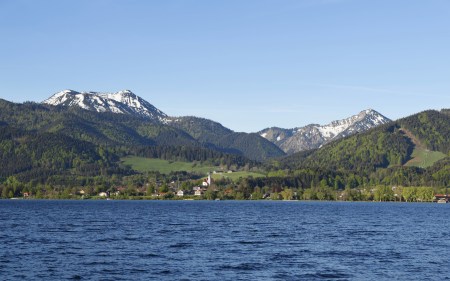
424, 158
142, 164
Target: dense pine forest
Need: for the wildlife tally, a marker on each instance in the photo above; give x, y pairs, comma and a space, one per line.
56, 152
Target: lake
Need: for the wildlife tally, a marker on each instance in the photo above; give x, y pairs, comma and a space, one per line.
223, 240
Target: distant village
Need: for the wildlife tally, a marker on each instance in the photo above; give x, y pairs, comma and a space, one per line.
172, 187
198, 192
207, 188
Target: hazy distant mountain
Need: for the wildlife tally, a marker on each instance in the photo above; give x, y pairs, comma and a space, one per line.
314, 136
125, 102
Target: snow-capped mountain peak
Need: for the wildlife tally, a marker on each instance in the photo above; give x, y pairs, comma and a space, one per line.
124, 102
369, 117
314, 136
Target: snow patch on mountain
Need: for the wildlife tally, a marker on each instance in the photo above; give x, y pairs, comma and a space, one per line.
123, 102
314, 136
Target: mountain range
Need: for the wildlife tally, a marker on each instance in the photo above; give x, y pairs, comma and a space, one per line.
420, 140
73, 138
314, 136
190, 130
214, 135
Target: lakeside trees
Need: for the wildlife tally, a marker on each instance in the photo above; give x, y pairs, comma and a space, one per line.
159, 186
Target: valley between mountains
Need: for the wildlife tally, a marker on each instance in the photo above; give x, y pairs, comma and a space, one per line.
80, 144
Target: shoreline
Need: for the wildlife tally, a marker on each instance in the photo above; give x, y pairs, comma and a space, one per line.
205, 200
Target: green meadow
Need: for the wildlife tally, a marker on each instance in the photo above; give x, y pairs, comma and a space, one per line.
142, 164
424, 158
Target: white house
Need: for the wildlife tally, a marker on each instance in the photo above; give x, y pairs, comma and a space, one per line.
103, 194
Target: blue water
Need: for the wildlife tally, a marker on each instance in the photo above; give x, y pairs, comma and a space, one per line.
223, 240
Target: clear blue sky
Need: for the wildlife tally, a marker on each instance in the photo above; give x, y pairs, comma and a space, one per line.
248, 64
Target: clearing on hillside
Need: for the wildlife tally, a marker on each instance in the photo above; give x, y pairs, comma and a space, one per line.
424, 158
142, 164
421, 156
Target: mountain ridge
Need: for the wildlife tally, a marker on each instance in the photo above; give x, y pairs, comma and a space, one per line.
214, 135
314, 136
62, 147
125, 102
207, 133
387, 146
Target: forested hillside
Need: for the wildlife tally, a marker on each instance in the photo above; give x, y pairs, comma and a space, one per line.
126, 130
213, 134
255, 146
202, 129
431, 127
43, 143
381, 147
98, 128
378, 156
33, 156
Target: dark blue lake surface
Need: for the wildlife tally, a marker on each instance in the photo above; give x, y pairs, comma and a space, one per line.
223, 240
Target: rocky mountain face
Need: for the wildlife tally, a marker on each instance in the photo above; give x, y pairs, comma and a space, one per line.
124, 102
314, 136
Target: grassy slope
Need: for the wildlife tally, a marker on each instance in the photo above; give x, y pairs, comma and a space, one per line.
142, 164
424, 158
421, 156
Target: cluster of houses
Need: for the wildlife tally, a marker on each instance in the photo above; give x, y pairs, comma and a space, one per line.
196, 190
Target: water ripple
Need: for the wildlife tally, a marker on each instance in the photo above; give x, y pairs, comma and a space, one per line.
155, 240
